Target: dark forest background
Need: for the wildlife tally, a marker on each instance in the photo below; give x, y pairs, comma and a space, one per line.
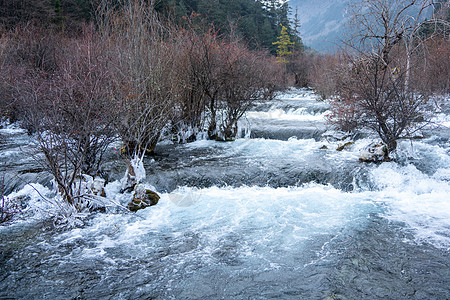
256, 22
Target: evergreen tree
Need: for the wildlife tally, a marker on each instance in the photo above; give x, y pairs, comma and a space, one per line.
283, 15
58, 11
284, 44
296, 32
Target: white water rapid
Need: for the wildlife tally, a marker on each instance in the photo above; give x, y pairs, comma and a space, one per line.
276, 215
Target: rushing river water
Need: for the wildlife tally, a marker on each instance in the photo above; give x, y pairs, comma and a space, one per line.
273, 215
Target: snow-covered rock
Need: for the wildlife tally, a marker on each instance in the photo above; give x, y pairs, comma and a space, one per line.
374, 153
82, 185
98, 187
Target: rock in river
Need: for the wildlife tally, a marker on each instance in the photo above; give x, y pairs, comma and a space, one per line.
142, 198
374, 153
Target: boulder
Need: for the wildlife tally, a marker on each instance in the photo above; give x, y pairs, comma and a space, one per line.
142, 198
375, 153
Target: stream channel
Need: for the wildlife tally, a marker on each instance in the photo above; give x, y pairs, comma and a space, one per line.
271, 215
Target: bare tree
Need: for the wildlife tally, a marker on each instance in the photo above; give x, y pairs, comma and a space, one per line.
144, 74
145, 80
70, 109
380, 69
221, 80
247, 76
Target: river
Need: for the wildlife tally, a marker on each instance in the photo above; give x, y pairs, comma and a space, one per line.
274, 214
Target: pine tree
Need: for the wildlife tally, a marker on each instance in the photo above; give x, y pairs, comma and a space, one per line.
298, 44
284, 43
58, 11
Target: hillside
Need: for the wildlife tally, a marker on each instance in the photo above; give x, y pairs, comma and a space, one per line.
256, 22
321, 22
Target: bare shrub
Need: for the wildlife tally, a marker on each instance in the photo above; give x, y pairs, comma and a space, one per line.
6, 98
27, 52
189, 119
71, 109
247, 76
324, 73
221, 79
199, 63
300, 64
434, 73
378, 89
145, 78
7, 207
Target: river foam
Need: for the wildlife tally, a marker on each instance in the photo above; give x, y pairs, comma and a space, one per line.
257, 217
416, 199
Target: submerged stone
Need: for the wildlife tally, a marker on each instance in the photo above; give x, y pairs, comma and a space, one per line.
224, 139
346, 145
333, 135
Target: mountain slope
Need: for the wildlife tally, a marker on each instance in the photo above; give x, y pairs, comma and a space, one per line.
321, 22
